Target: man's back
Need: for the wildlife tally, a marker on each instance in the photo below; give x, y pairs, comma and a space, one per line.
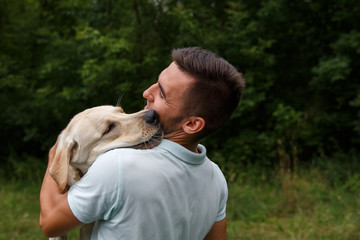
164, 193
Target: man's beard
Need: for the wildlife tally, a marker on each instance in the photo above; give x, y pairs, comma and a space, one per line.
172, 125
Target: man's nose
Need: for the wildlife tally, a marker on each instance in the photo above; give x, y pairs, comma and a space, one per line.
148, 95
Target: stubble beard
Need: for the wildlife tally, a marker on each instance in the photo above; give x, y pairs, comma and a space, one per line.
172, 125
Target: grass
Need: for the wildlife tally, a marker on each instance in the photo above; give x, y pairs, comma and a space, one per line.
303, 207
19, 208
19, 211
315, 204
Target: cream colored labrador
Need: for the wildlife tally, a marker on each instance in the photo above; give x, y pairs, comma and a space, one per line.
95, 131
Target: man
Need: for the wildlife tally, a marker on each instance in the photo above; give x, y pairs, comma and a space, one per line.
172, 191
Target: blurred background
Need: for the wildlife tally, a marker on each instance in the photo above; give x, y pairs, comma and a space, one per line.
290, 152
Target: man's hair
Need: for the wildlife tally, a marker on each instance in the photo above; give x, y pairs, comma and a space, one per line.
217, 89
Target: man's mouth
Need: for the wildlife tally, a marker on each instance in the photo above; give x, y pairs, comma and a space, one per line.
146, 106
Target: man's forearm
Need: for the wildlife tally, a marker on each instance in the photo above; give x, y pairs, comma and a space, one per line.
50, 197
48, 192
56, 217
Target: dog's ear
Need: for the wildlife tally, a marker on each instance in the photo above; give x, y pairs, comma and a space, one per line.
60, 166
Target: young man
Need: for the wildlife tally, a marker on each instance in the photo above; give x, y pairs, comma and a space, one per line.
172, 191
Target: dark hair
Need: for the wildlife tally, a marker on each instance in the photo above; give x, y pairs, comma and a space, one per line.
217, 89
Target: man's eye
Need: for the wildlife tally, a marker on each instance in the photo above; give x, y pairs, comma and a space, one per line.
109, 128
161, 95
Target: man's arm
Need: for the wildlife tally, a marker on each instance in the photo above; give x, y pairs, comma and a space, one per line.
56, 217
217, 231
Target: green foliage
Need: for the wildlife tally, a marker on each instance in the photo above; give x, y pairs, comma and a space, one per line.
299, 59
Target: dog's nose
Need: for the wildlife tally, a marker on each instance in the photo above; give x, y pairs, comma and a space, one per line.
151, 117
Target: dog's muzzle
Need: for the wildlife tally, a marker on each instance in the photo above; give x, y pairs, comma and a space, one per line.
152, 117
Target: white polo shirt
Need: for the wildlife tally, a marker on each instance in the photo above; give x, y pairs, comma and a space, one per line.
164, 193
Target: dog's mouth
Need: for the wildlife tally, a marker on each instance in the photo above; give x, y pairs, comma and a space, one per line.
152, 142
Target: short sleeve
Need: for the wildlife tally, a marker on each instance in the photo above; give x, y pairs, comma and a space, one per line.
223, 199
97, 195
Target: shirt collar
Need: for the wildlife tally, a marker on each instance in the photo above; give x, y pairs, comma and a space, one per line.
183, 153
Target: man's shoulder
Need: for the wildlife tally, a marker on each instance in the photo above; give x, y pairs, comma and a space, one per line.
124, 153
130, 157
217, 170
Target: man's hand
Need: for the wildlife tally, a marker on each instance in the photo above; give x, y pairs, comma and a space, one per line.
56, 217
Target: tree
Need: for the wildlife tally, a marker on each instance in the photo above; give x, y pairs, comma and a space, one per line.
299, 59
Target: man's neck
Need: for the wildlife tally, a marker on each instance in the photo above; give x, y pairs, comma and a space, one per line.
192, 147
184, 140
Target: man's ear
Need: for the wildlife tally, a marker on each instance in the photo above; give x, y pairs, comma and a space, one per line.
193, 125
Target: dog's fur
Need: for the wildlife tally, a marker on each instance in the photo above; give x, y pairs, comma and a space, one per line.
95, 131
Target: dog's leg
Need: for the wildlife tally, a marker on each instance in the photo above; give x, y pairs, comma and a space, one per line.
86, 230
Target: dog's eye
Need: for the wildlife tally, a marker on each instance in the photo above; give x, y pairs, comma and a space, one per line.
110, 126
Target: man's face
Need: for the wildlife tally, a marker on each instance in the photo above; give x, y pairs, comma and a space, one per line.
166, 97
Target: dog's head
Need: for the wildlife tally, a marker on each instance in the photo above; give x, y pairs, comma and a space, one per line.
97, 130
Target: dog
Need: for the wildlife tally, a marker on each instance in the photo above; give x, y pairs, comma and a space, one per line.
93, 132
